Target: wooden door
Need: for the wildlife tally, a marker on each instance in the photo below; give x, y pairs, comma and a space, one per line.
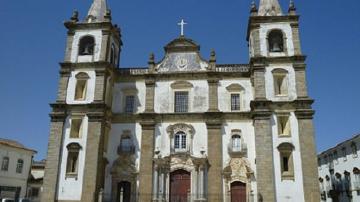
238, 192
179, 186
124, 192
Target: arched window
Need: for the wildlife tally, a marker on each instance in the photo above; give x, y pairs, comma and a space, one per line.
236, 143
280, 77
81, 86
72, 159
86, 46
276, 41
180, 141
347, 181
19, 166
5, 164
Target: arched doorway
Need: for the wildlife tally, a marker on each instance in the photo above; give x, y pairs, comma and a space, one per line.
238, 192
179, 186
124, 191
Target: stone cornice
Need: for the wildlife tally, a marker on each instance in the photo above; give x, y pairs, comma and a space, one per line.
171, 117
72, 26
258, 61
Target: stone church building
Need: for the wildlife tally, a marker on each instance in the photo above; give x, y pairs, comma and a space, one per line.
184, 128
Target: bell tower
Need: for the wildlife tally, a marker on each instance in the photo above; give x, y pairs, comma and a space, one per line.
282, 110
80, 117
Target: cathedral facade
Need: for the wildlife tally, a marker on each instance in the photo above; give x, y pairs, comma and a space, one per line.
184, 128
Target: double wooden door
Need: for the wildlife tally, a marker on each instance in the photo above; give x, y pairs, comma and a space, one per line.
179, 186
238, 192
124, 192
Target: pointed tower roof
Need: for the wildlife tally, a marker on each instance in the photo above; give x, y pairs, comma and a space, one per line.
269, 8
97, 11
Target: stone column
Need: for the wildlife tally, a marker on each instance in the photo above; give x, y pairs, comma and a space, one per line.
308, 155
105, 45
146, 161
63, 84
264, 158
213, 95
300, 76
259, 81
53, 160
155, 183
93, 161
100, 85
255, 33
296, 38
215, 188
69, 46
150, 95
201, 182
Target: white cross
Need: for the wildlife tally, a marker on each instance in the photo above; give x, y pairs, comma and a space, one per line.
182, 23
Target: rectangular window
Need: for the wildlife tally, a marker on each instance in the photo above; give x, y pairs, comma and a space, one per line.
287, 170
284, 128
72, 162
76, 126
344, 153
34, 192
80, 91
235, 102
129, 104
181, 101
5, 164
19, 166
280, 85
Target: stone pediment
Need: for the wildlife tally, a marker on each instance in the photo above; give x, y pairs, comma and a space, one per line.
182, 55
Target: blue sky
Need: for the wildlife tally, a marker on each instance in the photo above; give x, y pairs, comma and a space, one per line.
32, 39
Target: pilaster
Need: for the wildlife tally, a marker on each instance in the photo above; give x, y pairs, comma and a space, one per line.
308, 155
52, 167
259, 81
63, 84
69, 45
93, 160
264, 151
150, 95
301, 84
296, 38
215, 185
146, 161
100, 85
213, 95
105, 45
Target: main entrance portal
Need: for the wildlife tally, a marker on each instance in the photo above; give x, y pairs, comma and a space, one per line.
238, 192
124, 192
179, 186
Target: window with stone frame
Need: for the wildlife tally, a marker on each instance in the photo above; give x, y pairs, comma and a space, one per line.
129, 104
72, 162
322, 189
354, 149
5, 163
76, 127
181, 101
281, 83
87, 45
344, 153
283, 123
19, 166
347, 182
235, 102
338, 182
81, 86
180, 142
286, 161
328, 186
126, 144
276, 41
236, 143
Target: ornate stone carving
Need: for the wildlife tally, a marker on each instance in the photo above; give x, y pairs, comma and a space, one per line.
238, 169
180, 127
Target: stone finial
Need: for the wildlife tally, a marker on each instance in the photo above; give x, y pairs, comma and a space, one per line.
107, 17
269, 8
75, 16
213, 56
151, 62
292, 8
253, 10
97, 11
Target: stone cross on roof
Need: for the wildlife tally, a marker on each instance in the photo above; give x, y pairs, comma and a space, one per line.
182, 25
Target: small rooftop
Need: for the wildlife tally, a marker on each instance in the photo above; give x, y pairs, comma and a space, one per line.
14, 144
341, 144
